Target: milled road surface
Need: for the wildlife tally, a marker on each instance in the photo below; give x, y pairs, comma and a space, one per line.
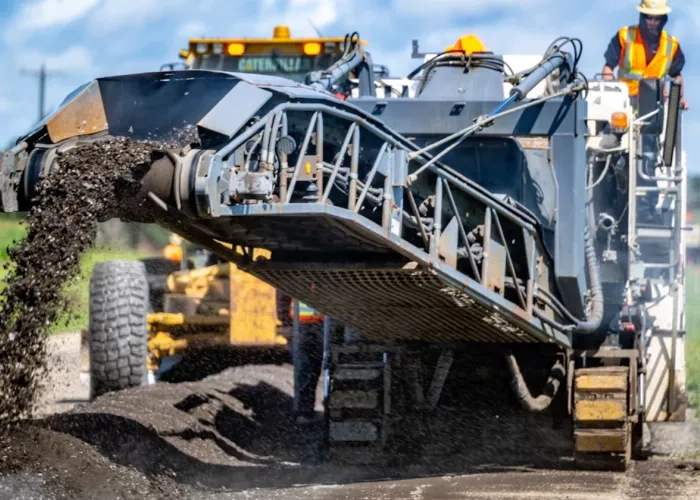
229, 436
645, 481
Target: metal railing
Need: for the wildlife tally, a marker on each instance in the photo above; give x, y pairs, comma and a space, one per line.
401, 163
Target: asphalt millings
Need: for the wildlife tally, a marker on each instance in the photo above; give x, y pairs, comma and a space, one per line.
90, 184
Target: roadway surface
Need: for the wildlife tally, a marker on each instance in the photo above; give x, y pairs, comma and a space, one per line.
221, 438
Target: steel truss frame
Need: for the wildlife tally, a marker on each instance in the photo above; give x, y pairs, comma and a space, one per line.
537, 314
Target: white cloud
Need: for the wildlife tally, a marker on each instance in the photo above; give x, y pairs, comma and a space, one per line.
5, 104
49, 13
113, 15
322, 13
74, 60
192, 29
462, 7
300, 15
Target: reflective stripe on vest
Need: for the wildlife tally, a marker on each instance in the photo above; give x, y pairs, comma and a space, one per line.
306, 314
306, 311
633, 64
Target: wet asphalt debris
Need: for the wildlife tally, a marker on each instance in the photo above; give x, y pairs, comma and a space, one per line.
90, 184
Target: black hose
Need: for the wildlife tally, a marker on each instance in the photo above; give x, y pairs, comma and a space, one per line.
541, 402
597, 309
459, 58
592, 323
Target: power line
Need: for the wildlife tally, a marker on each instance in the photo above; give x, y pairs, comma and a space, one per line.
42, 74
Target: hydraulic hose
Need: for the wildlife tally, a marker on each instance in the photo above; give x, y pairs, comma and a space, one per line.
598, 304
353, 57
538, 74
593, 322
541, 402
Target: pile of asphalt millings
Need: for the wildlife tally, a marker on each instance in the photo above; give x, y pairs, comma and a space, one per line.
91, 183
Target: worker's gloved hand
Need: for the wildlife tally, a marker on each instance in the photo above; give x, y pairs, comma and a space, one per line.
684, 103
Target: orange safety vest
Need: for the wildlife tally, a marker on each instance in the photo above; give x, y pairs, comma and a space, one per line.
633, 58
307, 315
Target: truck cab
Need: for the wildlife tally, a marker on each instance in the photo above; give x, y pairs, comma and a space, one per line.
279, 55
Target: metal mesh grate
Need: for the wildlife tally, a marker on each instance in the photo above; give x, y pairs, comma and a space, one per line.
395, 304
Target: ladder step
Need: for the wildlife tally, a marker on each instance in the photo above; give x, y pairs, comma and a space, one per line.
365, 400
356, 373
656, 233
361, 365
666, 191
602, 427
358, 403
601, 440
354, 430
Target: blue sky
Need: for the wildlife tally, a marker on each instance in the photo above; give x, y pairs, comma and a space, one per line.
83, 39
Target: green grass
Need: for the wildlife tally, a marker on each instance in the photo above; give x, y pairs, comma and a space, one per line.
10, 231
76, 292
692, 326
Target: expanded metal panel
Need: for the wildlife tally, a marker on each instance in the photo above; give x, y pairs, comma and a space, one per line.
303, 232
390, 305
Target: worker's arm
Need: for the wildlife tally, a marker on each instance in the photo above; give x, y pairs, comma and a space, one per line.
674, 71
612, 57
684, 103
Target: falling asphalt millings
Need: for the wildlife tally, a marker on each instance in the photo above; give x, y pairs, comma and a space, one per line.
91, 183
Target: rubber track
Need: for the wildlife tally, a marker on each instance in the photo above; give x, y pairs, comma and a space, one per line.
118, 333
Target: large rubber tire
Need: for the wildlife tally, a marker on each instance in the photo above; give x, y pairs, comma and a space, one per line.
118, 332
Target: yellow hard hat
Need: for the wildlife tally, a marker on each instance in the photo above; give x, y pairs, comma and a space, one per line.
173, 252
654, 7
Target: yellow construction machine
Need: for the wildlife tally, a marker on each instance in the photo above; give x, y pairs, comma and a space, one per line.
281, 55
199, 302
219, 305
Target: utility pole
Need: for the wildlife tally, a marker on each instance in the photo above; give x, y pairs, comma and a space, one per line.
318, 32
42, 74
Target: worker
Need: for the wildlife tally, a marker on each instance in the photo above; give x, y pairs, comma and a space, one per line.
307, 357
308, 361
173, 251
645, 50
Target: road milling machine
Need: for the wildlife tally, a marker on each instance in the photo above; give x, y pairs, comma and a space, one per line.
495, 226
